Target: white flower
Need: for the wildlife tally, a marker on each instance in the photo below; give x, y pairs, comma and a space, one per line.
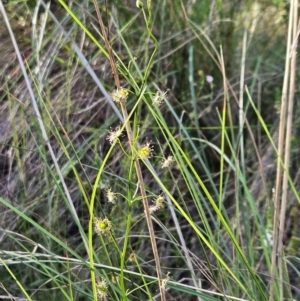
209, 79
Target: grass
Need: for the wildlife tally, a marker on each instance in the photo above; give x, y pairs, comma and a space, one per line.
144, 150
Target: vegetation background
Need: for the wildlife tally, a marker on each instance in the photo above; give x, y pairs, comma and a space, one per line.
212, 87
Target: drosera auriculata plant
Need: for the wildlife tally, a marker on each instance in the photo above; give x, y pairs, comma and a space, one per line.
140, 153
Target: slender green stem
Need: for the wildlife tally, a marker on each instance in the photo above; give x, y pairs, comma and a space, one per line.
127, 231
149, 24
15, 279
91, 212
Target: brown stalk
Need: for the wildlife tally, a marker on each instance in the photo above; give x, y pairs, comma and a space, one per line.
282, 128
292, 57
136, 162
